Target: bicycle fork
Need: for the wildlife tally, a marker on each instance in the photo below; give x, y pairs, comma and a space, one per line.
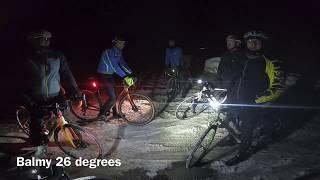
232, 131
133, 105
61, 123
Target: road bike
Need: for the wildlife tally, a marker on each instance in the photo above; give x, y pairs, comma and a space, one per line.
205, 142
173, 86
134, 108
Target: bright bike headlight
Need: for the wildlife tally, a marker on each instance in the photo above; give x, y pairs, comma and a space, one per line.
214, 103
199, 81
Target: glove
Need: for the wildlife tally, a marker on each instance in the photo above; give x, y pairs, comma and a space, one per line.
268, 96
129, 81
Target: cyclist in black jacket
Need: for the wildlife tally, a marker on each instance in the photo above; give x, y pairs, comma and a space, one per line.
229, 72
261, 81
45, 69
231, 62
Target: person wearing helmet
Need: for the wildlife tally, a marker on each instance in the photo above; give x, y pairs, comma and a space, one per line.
261, 81
46, 68
112, 62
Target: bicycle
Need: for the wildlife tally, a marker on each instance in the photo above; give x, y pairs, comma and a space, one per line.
204, 144
200, 101
173, 84
134, 108
71, 139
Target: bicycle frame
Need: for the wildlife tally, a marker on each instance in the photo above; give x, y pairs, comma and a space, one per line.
59, 121
125, 92
205, 92
218, 121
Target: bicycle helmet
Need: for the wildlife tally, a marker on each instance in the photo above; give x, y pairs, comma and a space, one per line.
39, 34
233, 36
255, 35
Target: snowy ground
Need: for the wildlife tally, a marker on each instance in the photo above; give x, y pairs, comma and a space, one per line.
158, 150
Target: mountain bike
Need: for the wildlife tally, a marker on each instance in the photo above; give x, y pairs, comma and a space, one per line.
71, 139
206, 99
173, 84
205, 142
134, 108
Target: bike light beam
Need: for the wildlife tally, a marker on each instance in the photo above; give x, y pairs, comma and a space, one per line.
274, 106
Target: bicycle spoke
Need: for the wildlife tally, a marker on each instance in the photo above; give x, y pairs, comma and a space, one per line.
93, 106
137, 109
26, 124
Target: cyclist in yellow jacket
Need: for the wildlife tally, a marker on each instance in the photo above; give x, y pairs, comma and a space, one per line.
261, 81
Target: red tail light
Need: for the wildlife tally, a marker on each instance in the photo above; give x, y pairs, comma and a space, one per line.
94, 84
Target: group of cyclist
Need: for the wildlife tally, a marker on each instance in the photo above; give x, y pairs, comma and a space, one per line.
250, 77
46, 71
252, 80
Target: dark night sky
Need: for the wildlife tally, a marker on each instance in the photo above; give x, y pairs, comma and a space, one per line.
86, 25
83, 28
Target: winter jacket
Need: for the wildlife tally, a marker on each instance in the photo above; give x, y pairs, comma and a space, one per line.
262, 80
174, 57
229, 69
111, 62
45, 70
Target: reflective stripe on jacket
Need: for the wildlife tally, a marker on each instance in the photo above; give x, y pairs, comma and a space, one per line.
111, 62
45, 72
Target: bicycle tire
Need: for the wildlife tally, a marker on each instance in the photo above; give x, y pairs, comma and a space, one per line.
80, 142
142, 102
24, 124
171, 88
91, 112
194, 157
184, 108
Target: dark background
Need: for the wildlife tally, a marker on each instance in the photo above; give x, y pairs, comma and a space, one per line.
82, 29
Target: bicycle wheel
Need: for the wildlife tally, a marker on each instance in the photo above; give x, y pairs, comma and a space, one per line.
136, 109
77, 142
171, 88
91, 111
23, 119
191, 107
202, 146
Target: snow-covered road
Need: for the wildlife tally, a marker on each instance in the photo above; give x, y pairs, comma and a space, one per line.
159, 149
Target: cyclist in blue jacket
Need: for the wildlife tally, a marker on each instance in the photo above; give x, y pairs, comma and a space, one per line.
173, 57
112, 62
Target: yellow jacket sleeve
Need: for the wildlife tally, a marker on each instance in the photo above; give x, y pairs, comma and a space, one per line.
276, 76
